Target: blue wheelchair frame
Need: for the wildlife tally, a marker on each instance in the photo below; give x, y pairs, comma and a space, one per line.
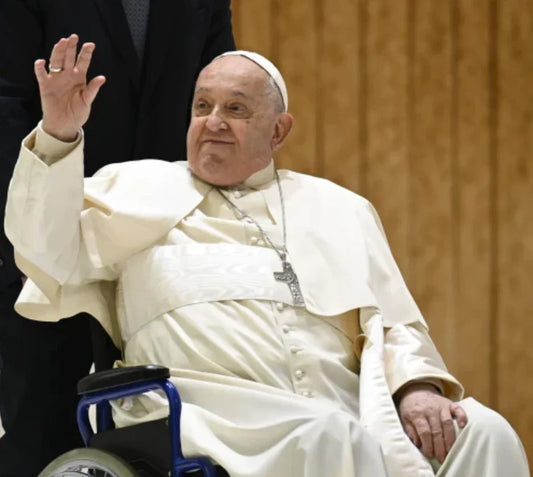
101, 398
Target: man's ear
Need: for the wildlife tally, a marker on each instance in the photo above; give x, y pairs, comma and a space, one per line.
281, 130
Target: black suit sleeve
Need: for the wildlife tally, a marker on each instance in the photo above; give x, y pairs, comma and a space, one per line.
220, 37
20, 45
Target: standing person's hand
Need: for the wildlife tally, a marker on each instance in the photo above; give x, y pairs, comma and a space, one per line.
66, 97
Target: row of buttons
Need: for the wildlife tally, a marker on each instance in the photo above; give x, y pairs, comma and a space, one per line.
299, 374
257, 241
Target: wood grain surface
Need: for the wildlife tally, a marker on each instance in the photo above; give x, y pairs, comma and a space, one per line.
426, 108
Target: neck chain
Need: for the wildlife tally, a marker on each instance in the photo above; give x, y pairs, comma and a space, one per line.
287, 275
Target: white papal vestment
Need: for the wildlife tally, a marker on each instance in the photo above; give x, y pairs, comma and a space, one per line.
269, 389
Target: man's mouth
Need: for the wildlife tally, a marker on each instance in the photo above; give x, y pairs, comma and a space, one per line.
217, 142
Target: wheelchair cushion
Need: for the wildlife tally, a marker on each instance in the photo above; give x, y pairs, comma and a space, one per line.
112, 378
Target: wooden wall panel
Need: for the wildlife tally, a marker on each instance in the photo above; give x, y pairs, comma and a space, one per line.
426, 107
298, 59
253, 25
430, 168
340, 157
514, 218
472, 201
386, 114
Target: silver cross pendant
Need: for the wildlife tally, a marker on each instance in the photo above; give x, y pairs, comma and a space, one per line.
289, 277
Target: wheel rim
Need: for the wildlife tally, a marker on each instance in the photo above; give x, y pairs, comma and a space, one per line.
87, 463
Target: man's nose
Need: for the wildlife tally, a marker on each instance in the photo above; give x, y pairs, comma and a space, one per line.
215, 121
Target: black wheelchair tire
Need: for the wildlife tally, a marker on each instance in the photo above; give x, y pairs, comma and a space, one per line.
78, 462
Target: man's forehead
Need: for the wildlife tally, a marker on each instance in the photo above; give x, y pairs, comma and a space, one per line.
231, 75
237, 93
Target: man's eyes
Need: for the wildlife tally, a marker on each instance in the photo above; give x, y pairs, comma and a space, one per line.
233, 109
236, 108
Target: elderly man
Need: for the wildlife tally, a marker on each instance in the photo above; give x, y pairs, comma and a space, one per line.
251, 284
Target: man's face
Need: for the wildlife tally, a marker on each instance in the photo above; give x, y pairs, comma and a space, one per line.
234, 122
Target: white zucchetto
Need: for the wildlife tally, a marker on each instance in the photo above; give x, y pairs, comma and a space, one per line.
268, 66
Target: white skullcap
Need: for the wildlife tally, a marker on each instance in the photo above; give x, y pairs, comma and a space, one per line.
268, 66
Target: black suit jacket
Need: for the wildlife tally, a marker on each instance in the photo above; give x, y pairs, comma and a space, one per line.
141, 111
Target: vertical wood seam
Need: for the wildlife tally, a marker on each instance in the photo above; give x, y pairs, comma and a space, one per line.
411, 200
274, 29
455, 189
236, 19
319, 125
363, 93
494, 201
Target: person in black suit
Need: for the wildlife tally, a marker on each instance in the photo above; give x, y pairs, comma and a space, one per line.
150, 52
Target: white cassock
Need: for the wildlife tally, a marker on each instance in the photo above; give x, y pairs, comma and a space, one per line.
269, 389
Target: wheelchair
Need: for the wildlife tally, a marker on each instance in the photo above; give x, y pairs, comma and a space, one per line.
151, 449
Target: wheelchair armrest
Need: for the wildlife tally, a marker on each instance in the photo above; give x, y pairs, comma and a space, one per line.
112, 378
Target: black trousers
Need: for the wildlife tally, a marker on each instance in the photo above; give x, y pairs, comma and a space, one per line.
40, 365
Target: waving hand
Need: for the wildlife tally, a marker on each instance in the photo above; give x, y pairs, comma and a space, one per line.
66, 96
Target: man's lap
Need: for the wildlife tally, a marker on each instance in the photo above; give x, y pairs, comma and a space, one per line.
487, 446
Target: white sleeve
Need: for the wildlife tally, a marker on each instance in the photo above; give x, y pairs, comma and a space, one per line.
410, 355
45, 200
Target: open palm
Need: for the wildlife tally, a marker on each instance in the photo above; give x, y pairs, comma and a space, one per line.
66, 97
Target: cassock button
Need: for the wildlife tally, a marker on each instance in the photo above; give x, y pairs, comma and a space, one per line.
254, 240
299, 373
295, 349
285, 329
237, 194
307, 394
261, 243
280, 306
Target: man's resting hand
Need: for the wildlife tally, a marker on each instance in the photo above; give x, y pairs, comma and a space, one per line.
66, 97
427, 418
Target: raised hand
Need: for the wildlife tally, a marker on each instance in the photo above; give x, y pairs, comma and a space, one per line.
66, 97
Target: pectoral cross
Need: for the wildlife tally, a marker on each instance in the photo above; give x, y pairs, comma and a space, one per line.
289, 277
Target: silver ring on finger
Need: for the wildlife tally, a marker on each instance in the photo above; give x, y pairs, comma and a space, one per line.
54, 70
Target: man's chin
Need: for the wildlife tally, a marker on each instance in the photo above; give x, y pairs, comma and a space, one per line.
214, 170
221, 182
216, 179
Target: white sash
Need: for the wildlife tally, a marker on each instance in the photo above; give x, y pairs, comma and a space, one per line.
167, 277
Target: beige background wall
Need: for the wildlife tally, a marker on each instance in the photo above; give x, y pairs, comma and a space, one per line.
426, 108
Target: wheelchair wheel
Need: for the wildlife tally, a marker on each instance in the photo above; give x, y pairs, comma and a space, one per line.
87, 462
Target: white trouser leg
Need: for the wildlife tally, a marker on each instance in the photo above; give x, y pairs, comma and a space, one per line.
487, 447
274, 436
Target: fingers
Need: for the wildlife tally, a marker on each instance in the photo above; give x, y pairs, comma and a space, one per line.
412, 434
70, 66
57, 57
84, 58
424, 432
447, 427
40, 71
92, 89
70, 52
460, 415
431, 437
64, 55
437, 435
